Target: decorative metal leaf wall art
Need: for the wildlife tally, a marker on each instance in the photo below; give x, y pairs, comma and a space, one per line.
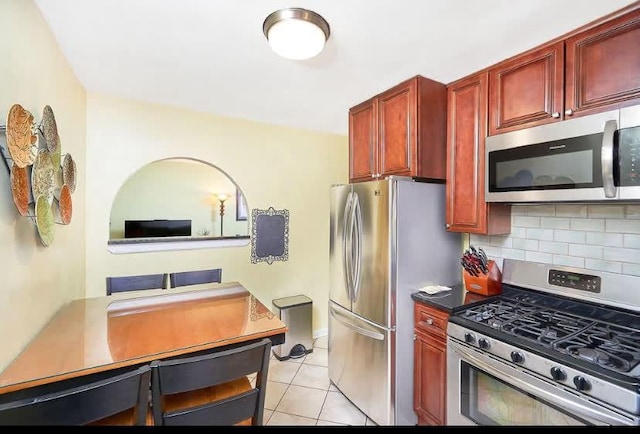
50, 129
42, 176
20, 188
44, 220
69, 172
22, 137
65, 205
42, 181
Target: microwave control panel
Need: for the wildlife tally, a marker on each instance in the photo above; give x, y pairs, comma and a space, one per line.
568, 279
629, 156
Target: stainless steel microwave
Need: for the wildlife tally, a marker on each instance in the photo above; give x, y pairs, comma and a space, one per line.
591, 158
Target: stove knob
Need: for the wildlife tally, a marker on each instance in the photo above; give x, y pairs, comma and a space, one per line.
558, 374
517, 357
484, 344
469, 338
582, 383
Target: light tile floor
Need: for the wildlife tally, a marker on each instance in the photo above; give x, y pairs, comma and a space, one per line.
299, 393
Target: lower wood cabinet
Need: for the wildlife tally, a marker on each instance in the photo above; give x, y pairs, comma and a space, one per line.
430, 365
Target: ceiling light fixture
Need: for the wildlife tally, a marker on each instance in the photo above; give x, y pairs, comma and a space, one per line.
296, 33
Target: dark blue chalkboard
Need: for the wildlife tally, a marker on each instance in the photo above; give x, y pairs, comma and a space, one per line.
270, 235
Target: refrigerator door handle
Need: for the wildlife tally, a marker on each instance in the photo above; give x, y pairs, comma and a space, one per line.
361, 330
346, 245
357, 219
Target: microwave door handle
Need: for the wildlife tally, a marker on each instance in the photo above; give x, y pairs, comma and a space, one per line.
606, 158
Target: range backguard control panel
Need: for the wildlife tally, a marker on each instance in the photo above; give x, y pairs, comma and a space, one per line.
568, 279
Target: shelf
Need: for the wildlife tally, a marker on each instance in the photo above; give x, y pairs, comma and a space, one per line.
143, 245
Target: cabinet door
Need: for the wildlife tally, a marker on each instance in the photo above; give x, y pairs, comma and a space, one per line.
603, 66
467, 210
397, 112
527, 91
363, 141
430, 379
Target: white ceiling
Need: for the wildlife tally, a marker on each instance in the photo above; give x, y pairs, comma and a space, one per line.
211, 55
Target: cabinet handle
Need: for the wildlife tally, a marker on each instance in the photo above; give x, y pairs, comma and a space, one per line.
568, 112
429, 321
555, 114
447, 225
373, 175
415, 337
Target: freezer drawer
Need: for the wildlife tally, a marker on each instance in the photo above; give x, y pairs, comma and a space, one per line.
360, 363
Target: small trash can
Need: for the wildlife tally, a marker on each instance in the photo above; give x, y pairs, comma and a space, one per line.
295, 312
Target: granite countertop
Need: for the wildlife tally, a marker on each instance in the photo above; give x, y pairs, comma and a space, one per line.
450, 301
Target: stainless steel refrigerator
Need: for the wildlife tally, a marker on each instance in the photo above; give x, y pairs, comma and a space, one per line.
388, 239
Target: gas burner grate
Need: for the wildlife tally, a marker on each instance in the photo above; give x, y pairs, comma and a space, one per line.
546, 326
495, 314
578, 330
610, 346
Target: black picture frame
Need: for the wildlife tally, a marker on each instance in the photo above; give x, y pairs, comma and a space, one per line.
269, 235
241, 206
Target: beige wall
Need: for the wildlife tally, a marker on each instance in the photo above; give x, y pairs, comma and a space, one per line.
111, 138
38, 280
274, 166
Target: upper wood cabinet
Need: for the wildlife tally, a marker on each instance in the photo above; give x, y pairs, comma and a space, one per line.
400, 132
466, 209
593, 70
363, 139
527, 90
603, 66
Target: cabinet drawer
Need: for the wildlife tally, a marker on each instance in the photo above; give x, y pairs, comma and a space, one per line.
431, 320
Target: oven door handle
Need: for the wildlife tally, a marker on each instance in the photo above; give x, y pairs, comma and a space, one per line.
576, 408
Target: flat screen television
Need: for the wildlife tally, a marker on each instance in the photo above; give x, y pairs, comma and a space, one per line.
157, 228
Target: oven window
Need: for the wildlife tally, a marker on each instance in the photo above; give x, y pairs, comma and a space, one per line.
489, 401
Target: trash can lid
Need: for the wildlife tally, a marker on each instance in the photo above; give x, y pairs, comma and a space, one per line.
294, 300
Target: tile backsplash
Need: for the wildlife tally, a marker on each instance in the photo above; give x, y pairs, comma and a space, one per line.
594, 236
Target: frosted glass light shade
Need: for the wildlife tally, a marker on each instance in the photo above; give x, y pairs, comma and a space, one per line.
296, 33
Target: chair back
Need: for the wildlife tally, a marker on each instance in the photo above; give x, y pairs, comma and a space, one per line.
214, 398
84, 404
134, 283
195, 277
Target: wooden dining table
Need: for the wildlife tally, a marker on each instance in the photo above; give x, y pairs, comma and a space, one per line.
95, 335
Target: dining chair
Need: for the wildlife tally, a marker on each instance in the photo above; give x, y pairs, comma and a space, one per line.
211, 388
134, 283
119, 399
197, 277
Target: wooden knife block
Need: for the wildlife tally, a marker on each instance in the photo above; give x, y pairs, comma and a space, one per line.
489, 284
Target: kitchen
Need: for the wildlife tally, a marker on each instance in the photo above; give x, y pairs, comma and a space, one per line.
80, 260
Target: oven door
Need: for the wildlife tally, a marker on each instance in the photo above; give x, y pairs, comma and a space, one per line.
483, 390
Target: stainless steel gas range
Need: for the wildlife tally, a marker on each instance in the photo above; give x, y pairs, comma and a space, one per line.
559, 346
